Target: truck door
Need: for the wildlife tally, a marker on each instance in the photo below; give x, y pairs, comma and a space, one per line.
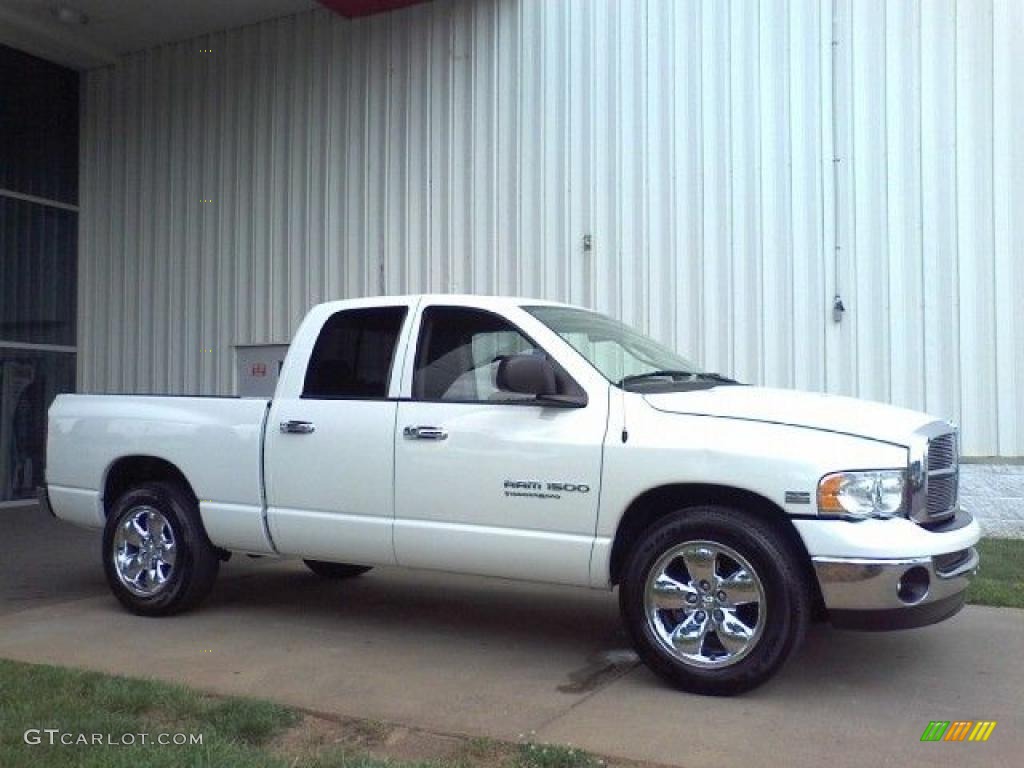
486, 481
330, 443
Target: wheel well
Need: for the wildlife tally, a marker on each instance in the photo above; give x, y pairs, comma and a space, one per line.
130, 471
651, 506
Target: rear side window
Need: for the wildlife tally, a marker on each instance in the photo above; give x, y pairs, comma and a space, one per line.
354, 354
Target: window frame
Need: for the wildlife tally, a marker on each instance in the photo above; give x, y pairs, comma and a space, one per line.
392, 363
420, 340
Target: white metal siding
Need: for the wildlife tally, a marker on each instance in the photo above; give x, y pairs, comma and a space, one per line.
470, 146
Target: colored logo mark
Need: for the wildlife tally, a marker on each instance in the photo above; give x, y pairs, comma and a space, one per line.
958, 730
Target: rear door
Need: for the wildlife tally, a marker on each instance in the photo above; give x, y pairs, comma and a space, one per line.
330, 444
486, 481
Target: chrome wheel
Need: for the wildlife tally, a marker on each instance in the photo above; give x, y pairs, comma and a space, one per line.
144, 551
705, 604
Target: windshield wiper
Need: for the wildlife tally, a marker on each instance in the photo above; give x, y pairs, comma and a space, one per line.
716, 377
668, 373
653, 375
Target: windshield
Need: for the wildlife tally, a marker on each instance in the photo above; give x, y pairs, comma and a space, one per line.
622, 355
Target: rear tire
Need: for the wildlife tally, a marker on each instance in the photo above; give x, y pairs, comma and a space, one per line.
327, 570
157, 557
715, 600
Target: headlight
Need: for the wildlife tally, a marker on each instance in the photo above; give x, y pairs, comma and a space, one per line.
860, 495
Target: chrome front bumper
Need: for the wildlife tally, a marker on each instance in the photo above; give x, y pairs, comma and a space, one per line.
894, 594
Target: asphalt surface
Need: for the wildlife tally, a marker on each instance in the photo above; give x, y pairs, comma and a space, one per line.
510, 660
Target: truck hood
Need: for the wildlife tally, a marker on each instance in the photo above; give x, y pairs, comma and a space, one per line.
810, 410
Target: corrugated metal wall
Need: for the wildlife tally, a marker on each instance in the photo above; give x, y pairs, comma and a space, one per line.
471, 146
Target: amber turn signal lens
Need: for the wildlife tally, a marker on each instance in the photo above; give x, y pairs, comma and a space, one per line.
828, 495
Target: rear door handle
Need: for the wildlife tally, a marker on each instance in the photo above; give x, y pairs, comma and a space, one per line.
424, 433
296, 427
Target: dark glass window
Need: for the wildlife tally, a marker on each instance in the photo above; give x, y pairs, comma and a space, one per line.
37, 273
458, 355
29, 380
38, 263
38, 127
354, 353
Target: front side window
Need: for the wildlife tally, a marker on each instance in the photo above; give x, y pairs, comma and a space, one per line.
459, 352
353, 355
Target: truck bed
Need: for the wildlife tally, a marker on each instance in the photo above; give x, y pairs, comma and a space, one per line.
216, 442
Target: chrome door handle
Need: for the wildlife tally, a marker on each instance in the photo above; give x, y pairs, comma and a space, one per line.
296, 427
425, 433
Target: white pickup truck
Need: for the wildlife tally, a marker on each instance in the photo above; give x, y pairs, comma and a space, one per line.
531, 440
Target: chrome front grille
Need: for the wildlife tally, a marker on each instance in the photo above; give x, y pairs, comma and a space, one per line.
941, 495
934, 474
942, 452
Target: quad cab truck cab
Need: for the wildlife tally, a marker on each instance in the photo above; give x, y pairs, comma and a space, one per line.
526, 439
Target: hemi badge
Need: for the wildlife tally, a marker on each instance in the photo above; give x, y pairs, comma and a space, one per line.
798, 497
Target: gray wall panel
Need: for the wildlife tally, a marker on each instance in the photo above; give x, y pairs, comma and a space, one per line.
470, 146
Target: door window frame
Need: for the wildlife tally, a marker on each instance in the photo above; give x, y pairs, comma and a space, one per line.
410, 368
393, 365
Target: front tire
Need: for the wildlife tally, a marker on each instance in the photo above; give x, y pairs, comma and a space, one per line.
326, 570
157, 557
714, 599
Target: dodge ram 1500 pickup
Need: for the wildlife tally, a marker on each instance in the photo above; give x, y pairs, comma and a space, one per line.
533, 440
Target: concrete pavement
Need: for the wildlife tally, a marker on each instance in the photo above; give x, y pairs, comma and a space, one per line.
508, 660
45, 561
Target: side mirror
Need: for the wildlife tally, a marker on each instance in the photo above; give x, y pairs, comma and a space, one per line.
527, 375
534, 375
